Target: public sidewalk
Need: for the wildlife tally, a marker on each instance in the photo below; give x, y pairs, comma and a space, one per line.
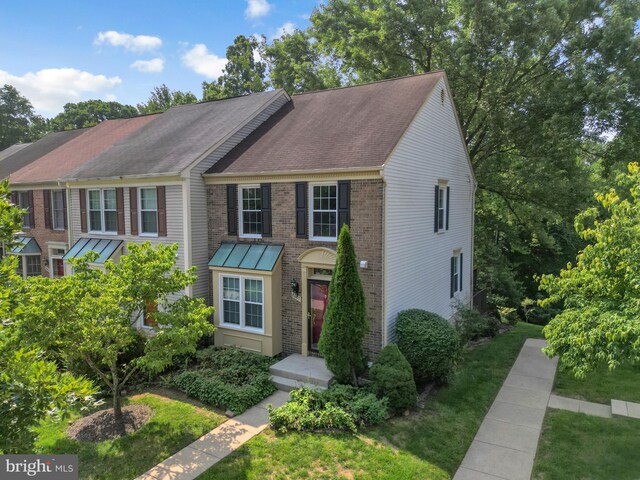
505, 446
209, 449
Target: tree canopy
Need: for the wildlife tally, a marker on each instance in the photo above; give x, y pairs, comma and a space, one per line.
600, 322
538, 86
93, 316
18, 121
163, 98
243, 74
90, 113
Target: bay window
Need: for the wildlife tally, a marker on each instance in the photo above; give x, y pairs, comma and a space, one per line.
242, 302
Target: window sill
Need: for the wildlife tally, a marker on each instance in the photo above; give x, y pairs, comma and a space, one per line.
149, 235
233, 326
323, 239
250, 236
92, 232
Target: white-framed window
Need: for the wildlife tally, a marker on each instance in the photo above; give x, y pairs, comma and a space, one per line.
148, 218
57, 209
456, 273
29, 266
250, 218
103, 216
24, 202
323, 218
242, 300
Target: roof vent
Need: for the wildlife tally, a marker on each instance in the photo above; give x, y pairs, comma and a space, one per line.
442, 96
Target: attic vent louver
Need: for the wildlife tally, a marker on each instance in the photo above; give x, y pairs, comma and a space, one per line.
442, 96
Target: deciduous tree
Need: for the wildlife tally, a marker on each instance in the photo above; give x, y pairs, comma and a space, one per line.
94, 315
163, 98
600, 322
18, 121
243, 74
90, 113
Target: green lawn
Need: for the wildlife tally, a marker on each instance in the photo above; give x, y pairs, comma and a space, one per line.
429, 444
577, 446
574, 445
623, 383
174, 425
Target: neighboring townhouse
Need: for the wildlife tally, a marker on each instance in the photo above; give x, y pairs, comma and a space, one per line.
386, 158
46, 227
31, 259
149, 186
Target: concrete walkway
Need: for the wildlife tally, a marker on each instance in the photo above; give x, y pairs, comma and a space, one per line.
209, 449
505, 445
580, 406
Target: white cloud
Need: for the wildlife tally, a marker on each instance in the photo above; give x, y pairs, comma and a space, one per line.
203, 62
155, 65
133, 43
49, 89
284, 29
257, 8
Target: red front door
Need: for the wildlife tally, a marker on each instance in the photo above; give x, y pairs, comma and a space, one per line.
318, 299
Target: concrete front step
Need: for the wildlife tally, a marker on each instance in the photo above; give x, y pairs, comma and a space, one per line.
287, 384
301, 370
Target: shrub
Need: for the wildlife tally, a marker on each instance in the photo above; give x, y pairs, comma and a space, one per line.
392, 377
341, 407
345, 320
472, 324
429, 343
227, 378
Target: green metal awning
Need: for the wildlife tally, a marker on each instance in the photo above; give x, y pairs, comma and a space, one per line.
102, 246
25, 246
249, 256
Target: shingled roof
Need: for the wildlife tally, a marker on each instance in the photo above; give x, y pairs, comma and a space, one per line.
36, 150
176, 139
81, 149
351, 127
7, 152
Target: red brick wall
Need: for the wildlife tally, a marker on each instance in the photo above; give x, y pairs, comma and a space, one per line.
366, 230
42, 234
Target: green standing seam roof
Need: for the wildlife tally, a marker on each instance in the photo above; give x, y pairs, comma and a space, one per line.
248, 256
26, 246
102, 246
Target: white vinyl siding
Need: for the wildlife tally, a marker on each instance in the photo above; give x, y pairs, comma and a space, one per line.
175, 214
418, 260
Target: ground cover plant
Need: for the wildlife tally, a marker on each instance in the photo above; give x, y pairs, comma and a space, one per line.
341, 407
227, 378
174, 424
429, 443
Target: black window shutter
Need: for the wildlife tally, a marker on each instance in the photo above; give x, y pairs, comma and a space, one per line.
265, 201
453, 278
46, 198
232, 209
448, 208
460, 264
301, 209
14, 198
435, 213
344, 202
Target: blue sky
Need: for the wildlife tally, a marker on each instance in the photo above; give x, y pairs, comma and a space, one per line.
59, 52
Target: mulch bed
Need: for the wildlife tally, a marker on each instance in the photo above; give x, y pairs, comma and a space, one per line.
100, 426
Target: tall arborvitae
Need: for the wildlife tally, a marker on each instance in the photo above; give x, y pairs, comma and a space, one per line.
345, 320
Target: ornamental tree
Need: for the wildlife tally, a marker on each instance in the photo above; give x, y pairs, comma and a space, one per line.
93, 316
600, 322
31, 388
345, 319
